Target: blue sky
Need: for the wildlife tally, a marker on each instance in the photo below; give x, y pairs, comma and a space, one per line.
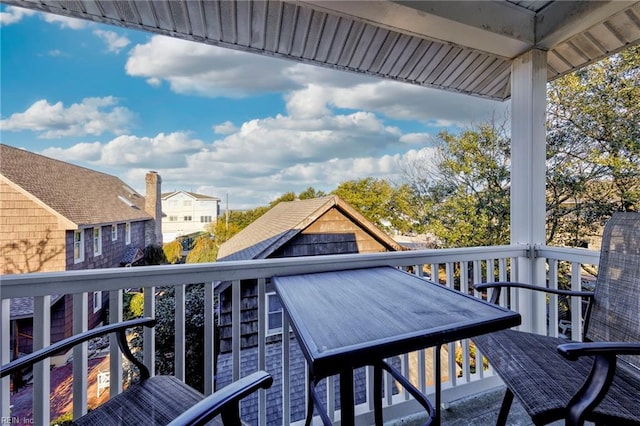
208, 119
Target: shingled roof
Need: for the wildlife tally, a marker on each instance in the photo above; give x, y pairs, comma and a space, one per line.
81, 196
286, 220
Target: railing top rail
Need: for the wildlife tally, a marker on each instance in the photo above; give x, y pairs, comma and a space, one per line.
579, 255
70, 282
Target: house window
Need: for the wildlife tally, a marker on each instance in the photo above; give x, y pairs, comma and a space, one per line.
97, 241
173, 218
78, 246
114, 232
274, 314
127, 233
186, 203
187, 218
97, 301
205, 219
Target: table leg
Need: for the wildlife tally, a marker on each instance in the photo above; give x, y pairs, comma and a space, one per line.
377, 394
347, 411
438, 383
310, 402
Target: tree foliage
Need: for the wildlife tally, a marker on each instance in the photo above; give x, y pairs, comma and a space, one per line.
593, 163
386, 206
593, 141
173, 251
204, 250
464, 187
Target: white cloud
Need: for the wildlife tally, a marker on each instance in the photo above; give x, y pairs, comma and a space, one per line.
85, 151
65, 22
416, 138
133, 152
12, 15
114, 42
92, 116
225, 128
309, 91
200, 69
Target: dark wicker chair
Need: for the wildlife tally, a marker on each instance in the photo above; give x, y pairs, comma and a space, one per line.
158, 400
598, 380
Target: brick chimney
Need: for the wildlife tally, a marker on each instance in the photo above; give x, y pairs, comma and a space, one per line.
153, 206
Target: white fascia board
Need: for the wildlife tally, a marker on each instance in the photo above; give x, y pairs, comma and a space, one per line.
500, 28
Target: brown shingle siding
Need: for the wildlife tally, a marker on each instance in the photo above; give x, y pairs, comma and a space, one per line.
80, 195
30, 239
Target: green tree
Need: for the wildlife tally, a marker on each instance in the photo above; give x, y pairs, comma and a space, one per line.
593, 141
464, 187
173, 251
309, 193
204, 250
379, 201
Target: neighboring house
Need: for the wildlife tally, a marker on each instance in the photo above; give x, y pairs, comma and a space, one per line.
56, 216
187, 212
318, 226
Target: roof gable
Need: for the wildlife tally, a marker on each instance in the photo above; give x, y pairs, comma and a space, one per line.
80, 196
285, 221
185, 194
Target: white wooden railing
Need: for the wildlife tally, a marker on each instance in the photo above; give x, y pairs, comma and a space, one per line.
456, 268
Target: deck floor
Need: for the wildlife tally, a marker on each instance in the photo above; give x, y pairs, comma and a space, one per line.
477, 410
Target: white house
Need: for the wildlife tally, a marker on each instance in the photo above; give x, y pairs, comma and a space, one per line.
187, 212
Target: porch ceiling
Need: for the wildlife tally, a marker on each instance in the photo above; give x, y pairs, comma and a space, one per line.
460, 46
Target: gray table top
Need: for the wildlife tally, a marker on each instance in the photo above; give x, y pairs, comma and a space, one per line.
347, 319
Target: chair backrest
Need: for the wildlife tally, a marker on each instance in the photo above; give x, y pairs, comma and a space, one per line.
615, 311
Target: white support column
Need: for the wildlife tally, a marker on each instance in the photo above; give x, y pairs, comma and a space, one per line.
528, 177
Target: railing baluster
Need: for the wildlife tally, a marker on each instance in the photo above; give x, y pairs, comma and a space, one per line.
115, 361
331, 397
262, 352
80, 365
576, 302
179, 340
209, 339
149, 333
236, 317
553, 298
286, 383
5, 332
41, 373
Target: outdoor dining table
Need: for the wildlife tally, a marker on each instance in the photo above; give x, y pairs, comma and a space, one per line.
353, 318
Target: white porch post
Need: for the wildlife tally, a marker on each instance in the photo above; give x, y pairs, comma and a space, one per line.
528, 154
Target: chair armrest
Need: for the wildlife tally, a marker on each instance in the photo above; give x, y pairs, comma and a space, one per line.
498, 286
597, 384
573, 351
69, 342
225, 401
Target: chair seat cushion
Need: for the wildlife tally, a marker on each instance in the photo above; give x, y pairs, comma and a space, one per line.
544, 381
155, 401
